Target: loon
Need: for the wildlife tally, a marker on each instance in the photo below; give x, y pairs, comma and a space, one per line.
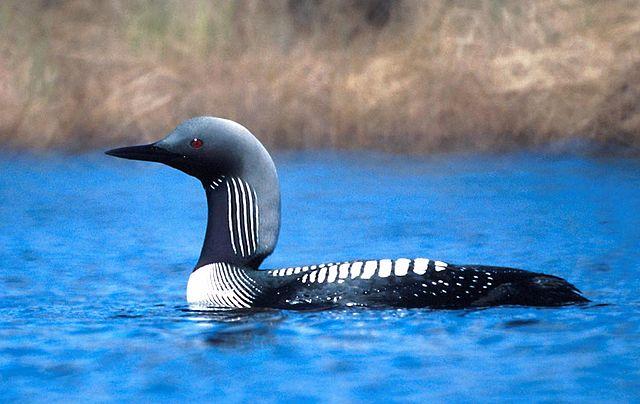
243, 197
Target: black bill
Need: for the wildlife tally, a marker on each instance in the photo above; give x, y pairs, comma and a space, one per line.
147, 152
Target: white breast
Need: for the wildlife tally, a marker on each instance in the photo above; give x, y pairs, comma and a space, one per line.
221, 285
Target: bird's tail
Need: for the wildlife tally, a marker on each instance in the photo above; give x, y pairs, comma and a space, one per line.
549, 290
534, 289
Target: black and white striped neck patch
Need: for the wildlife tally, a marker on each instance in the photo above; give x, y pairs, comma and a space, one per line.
243, 216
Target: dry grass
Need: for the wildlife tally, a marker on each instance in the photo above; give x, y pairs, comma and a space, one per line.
433, 76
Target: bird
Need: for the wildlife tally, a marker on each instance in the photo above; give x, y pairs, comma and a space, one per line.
243, 200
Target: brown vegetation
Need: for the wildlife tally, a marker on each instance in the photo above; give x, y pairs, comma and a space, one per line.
407, 76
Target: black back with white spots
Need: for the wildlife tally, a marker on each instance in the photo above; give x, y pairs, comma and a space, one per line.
408, 283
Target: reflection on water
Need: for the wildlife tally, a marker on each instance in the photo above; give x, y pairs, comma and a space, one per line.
95, 255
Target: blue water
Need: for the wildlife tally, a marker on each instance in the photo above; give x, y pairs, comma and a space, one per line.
95, 255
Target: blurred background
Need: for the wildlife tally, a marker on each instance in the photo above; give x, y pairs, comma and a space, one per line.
491, 132
402, 76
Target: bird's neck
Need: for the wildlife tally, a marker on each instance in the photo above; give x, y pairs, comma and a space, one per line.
243, 221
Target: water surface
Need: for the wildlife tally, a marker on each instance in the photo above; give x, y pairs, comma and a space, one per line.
95, 254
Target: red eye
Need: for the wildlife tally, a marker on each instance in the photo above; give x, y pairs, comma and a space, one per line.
196, 143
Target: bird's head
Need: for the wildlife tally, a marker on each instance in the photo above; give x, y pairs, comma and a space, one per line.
239, 178
204, 147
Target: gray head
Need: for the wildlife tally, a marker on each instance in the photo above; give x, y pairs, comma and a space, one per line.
240, 181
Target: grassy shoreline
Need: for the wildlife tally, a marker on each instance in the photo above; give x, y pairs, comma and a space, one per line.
417, 77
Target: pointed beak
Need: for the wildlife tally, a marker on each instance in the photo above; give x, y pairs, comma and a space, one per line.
147, 152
